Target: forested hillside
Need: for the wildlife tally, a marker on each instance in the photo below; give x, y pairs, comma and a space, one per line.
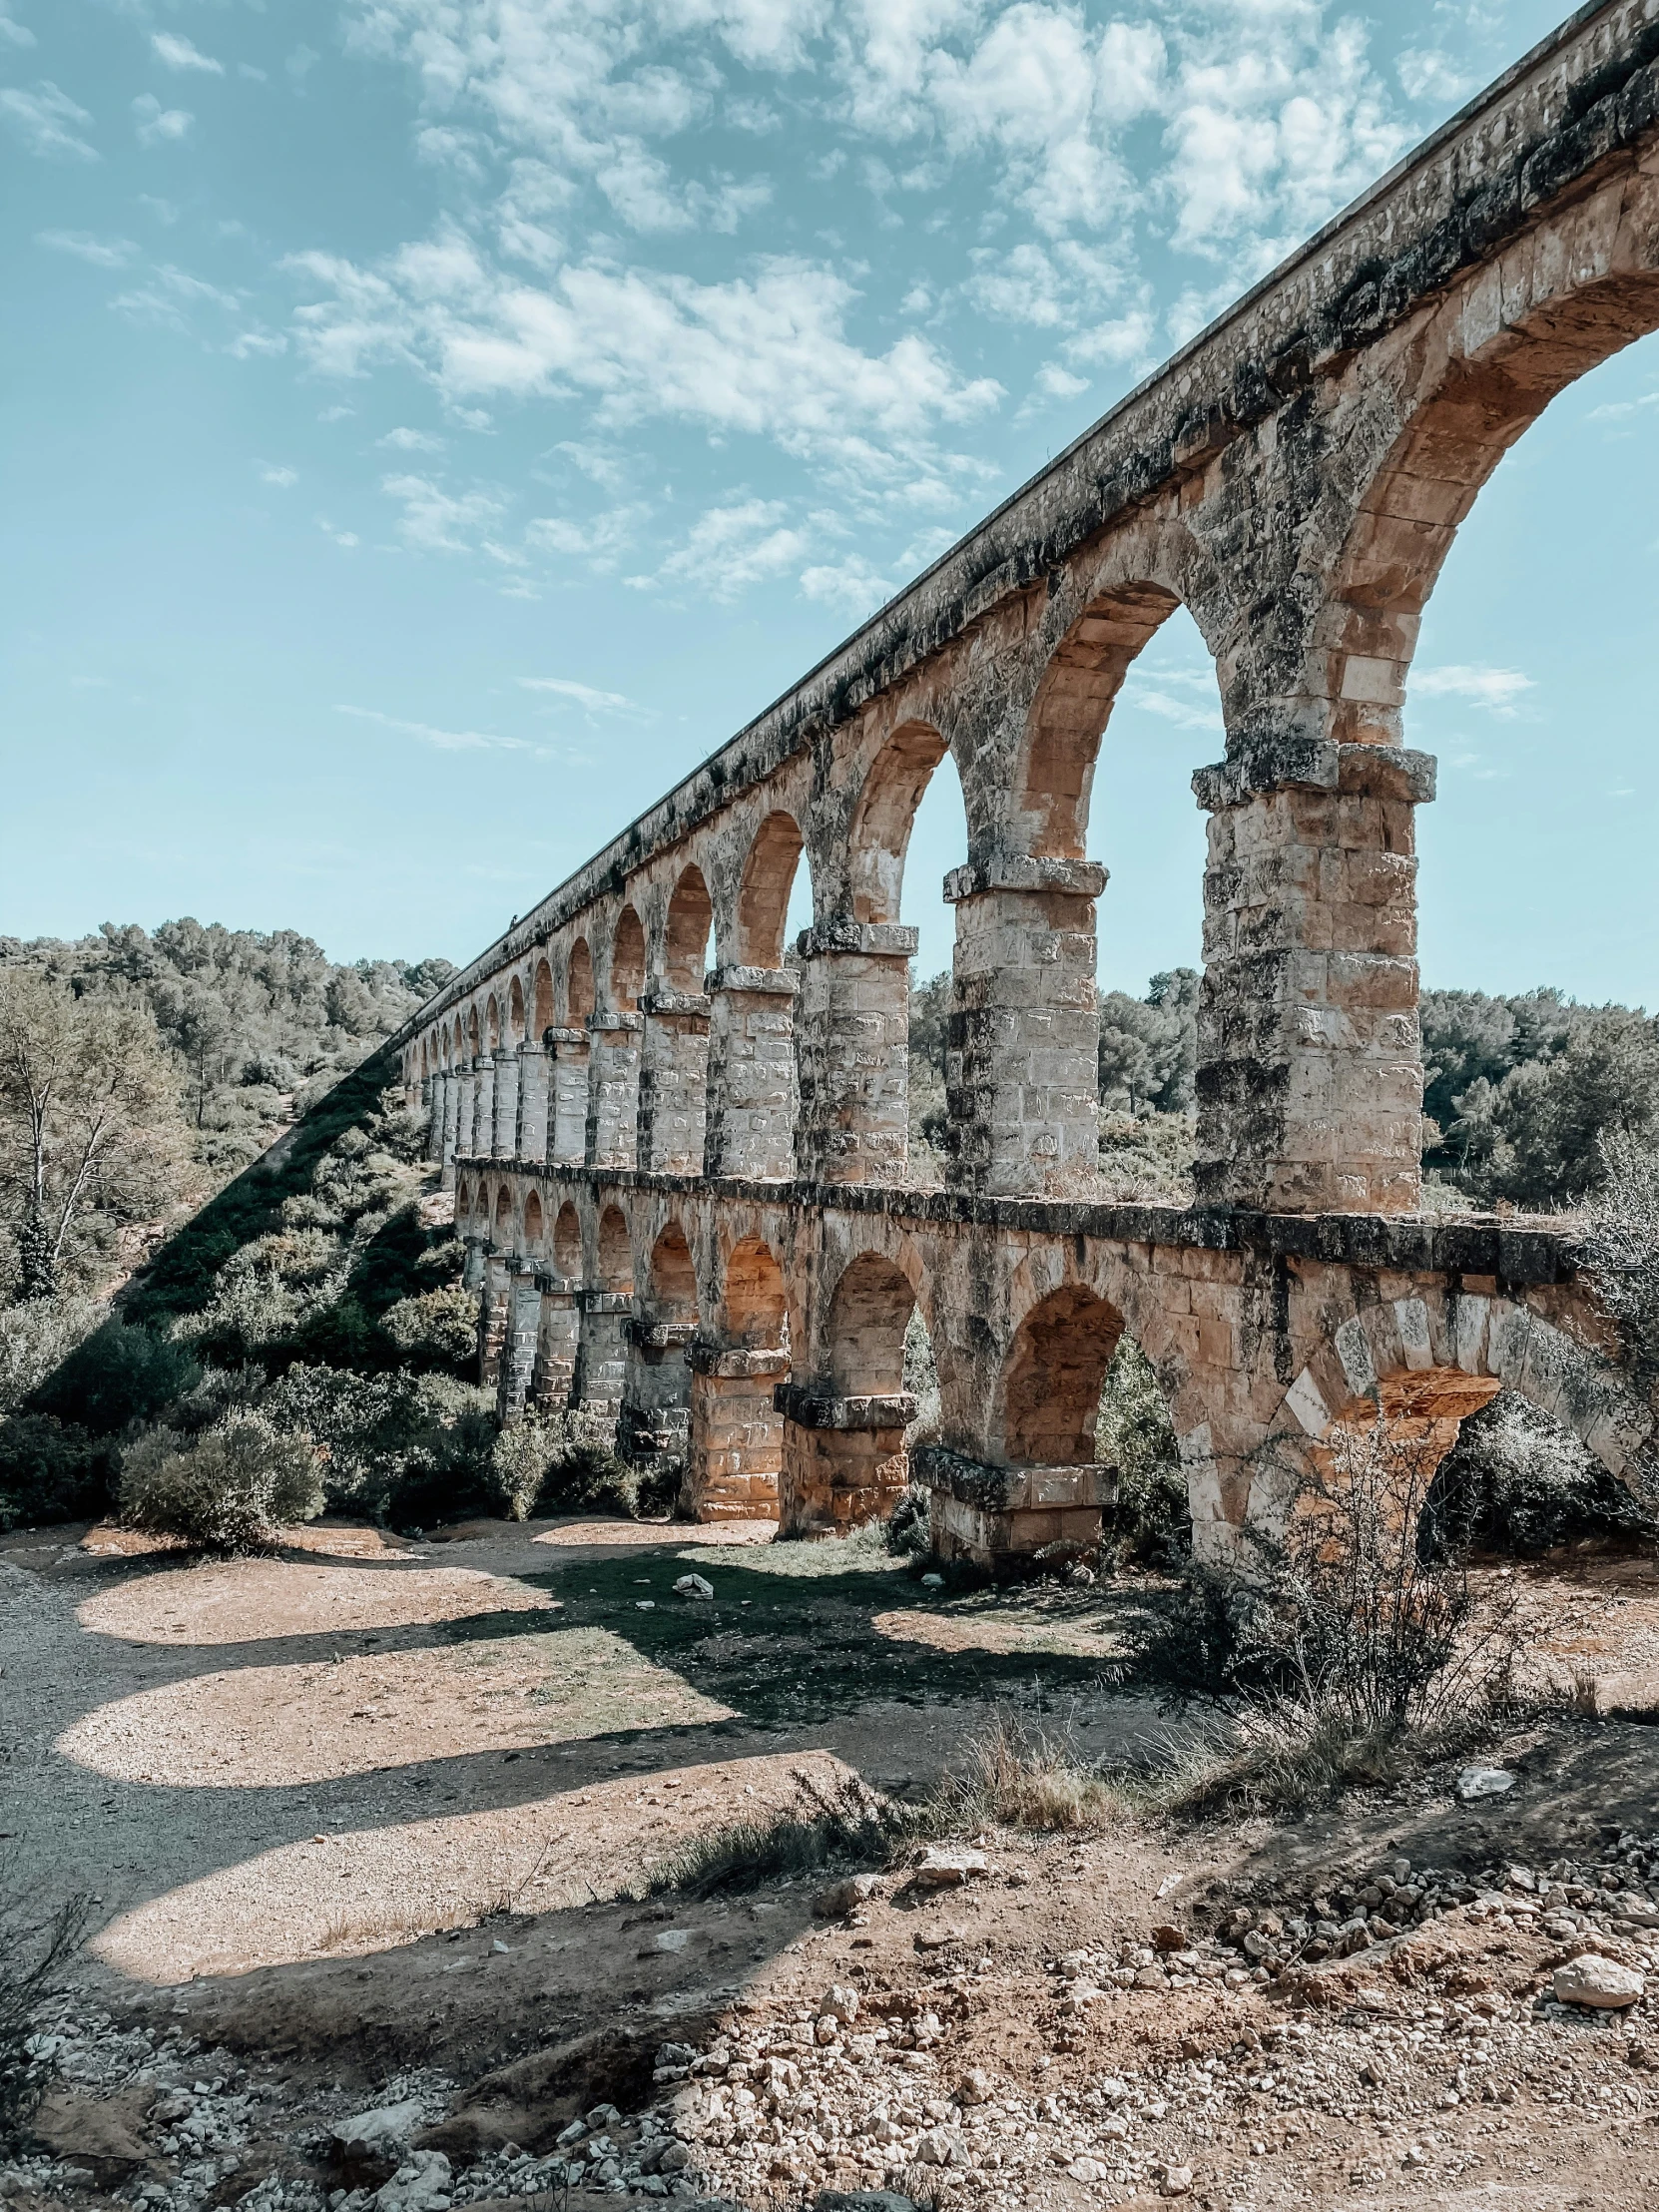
139, 1072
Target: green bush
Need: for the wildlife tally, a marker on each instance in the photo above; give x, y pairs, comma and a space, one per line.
1150, 1522
437, 1329
50, 1470
230, 1488
1516, 1482
122, 1372
412, 1450
35, 1339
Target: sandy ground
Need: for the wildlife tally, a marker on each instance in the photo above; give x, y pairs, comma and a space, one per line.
374, 1805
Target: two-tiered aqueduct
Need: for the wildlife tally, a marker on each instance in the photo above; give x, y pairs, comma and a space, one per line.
685, 1192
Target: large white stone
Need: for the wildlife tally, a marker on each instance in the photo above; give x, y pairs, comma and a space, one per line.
1602, 1982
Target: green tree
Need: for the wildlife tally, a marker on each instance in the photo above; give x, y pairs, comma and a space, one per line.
88, 1121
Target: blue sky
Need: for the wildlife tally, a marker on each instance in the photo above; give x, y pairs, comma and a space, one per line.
432, 425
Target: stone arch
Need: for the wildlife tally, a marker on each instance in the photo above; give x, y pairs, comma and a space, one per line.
542, 1018
755, 1299
685, 938
1428, 1362
673, 1275
614, 1254
472, 1029
535, 1222
493, 1024
464, 1202
763, 897
1048, 1394
863, 1337
627, 963
423, 1068
504, 1229
1073, 703
579, 984
1491, 366
567, 1243
515, 1012
883, 817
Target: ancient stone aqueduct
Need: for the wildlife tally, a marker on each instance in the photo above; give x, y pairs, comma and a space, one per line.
685, 1193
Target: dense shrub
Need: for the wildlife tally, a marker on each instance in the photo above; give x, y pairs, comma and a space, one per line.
122, 1372
230, 1488
1150, 1522
435, 1329
412, 1450
36, 1337
1516, 1482
50, 1470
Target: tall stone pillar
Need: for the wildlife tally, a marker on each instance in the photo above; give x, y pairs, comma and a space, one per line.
614, 1089
656, 1393
466, 1107
567, 1117
752, 1083
1022, 1078
843, 1460
854, 1051
556, 1343
475, 1264
1309, 1055
736, 1433
483, 1107
504, 1133
674, 1082
530, 1136
434, 1088
601, 1364
493, 1317
451, 1125
523, 1327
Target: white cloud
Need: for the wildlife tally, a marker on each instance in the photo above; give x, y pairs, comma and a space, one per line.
599, 542
281, 477
436, 521
256, 343
853, 585
1181, 711
101, 253
1054, 383
1494, 688
174, 51
765, 354
350, 540
1620, 410
13, 33
731, 547
412, 441
1427, 74
156, 124
596, 701
45, 121
446, 741
169, 297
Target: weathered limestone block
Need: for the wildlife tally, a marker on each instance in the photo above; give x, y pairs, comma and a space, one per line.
504, 1136
1006, 1518
1023, 1057
556, 1344
493, 1317
844, 1459
451, 1126
613, 1089
674, 1081
523, 1329
1310, 1076
483, 1108
736, 1433
568, 1114
752, 1080
432, 1098
467, 1108
854, 1051
601, 1364
530, 1136
656, 1396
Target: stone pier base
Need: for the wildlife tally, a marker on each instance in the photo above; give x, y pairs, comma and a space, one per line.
1009, 1519
844, 1459
737, 1434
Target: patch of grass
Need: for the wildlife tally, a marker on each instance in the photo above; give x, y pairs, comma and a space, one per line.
1018, 1774
846, 1829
